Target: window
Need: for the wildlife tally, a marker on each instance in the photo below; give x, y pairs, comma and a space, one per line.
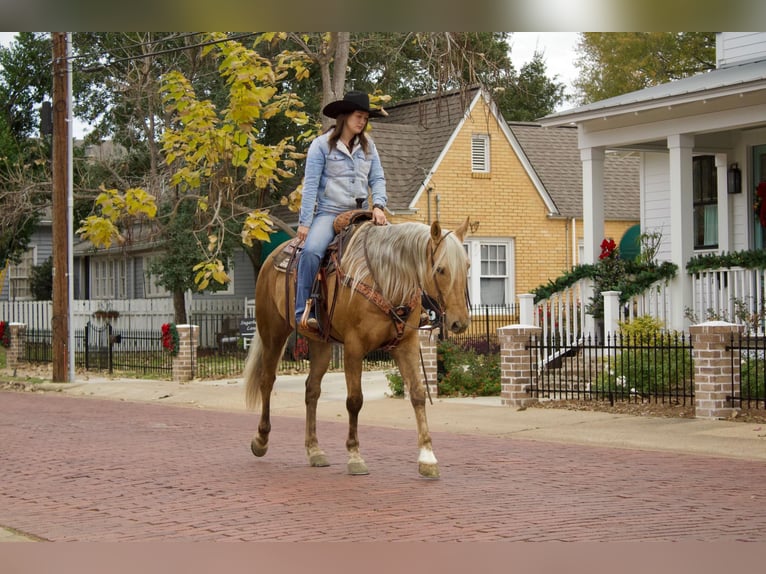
705, 202
151, 287
494, 271
20, 276
109, 278
490, 271
480, 153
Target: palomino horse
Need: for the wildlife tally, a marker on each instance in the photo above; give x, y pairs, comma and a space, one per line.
383, 268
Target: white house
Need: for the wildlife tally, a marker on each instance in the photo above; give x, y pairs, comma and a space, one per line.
692, 136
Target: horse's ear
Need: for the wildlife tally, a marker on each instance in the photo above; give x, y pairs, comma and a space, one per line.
436, 231
463, 229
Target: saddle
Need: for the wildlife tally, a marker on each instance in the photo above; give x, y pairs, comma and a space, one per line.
286, 261
345, 225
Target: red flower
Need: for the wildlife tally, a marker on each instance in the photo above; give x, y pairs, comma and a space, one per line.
608, 248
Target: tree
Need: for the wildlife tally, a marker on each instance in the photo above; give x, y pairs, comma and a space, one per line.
25, 81
41, 281
611, 64
216, 158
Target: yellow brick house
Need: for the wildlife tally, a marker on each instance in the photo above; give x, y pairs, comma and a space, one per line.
452, 156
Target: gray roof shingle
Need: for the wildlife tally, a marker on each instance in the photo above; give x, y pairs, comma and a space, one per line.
555, 157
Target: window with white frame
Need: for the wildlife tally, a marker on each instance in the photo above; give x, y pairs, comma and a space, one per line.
490, 274
109, 278
20, 276
480, 153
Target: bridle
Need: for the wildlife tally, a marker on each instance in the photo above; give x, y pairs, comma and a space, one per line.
438, 305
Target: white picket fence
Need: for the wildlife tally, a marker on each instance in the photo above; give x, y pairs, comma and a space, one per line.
134, 314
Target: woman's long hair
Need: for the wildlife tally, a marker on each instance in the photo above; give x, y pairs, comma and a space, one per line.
337, 130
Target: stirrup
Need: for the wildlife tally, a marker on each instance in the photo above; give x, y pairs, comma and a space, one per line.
304, 322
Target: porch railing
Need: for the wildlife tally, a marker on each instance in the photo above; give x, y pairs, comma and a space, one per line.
735, 295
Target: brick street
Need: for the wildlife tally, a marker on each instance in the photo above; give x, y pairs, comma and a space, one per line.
84, 469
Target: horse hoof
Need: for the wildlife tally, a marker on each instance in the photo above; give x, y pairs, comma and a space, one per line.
357, 467
319, 459
258, 448
427, 470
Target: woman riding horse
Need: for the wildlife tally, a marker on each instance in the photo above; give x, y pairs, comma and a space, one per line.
342, 165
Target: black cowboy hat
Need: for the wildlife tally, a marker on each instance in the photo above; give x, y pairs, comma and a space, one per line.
351, 102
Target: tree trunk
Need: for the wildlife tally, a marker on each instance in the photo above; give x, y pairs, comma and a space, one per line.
179, 307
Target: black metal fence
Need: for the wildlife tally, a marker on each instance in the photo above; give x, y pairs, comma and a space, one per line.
222, 351
748, 384
481, 335
625, 368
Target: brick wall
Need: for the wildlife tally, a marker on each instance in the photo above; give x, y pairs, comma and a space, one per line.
184, 363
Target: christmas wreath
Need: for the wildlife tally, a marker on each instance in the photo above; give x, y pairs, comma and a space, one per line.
5, 334
170, 340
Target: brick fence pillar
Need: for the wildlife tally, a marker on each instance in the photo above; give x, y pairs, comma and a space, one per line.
185, 361
515, 364
15, 353
713, 372
429, 340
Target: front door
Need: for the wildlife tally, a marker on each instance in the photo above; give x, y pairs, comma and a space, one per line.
759, 175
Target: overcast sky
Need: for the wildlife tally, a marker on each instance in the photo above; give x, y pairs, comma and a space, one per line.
558, 50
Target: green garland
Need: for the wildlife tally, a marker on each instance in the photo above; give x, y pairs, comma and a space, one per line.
610, 274
749, 259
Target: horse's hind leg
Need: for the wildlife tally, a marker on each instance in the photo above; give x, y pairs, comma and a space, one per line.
406, 357
320, 353
260, 374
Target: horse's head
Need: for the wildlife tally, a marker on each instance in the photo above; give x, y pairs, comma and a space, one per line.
447, 283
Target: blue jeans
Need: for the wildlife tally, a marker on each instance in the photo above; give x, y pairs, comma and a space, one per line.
321, 234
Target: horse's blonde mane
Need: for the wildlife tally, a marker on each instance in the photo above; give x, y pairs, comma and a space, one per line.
400, 257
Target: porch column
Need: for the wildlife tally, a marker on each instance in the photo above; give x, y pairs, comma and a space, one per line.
681, 226
592, 215
724, 222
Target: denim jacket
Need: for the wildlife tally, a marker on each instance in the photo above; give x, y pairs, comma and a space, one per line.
333, 179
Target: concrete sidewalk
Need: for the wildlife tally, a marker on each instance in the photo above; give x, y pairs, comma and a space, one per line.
483, 416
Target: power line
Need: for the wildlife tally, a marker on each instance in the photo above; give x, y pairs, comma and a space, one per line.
162, 52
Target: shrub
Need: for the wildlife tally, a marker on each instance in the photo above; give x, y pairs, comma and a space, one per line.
395, 383
467, 373
647, 361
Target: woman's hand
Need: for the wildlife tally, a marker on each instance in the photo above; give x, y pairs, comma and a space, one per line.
378, 216
303, 231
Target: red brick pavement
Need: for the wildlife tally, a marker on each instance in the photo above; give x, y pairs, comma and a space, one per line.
79, 469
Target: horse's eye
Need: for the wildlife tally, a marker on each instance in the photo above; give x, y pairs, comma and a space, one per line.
440, 270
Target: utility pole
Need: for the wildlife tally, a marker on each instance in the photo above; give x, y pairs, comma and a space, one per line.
61, 143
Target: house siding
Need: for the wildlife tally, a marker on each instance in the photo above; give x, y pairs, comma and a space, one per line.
655, 174
42, 242
734, 48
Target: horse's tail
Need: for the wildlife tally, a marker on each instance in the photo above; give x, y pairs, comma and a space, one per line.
253, 366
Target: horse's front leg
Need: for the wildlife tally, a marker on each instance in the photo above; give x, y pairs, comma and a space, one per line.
320, 353
406, 356
354, 399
